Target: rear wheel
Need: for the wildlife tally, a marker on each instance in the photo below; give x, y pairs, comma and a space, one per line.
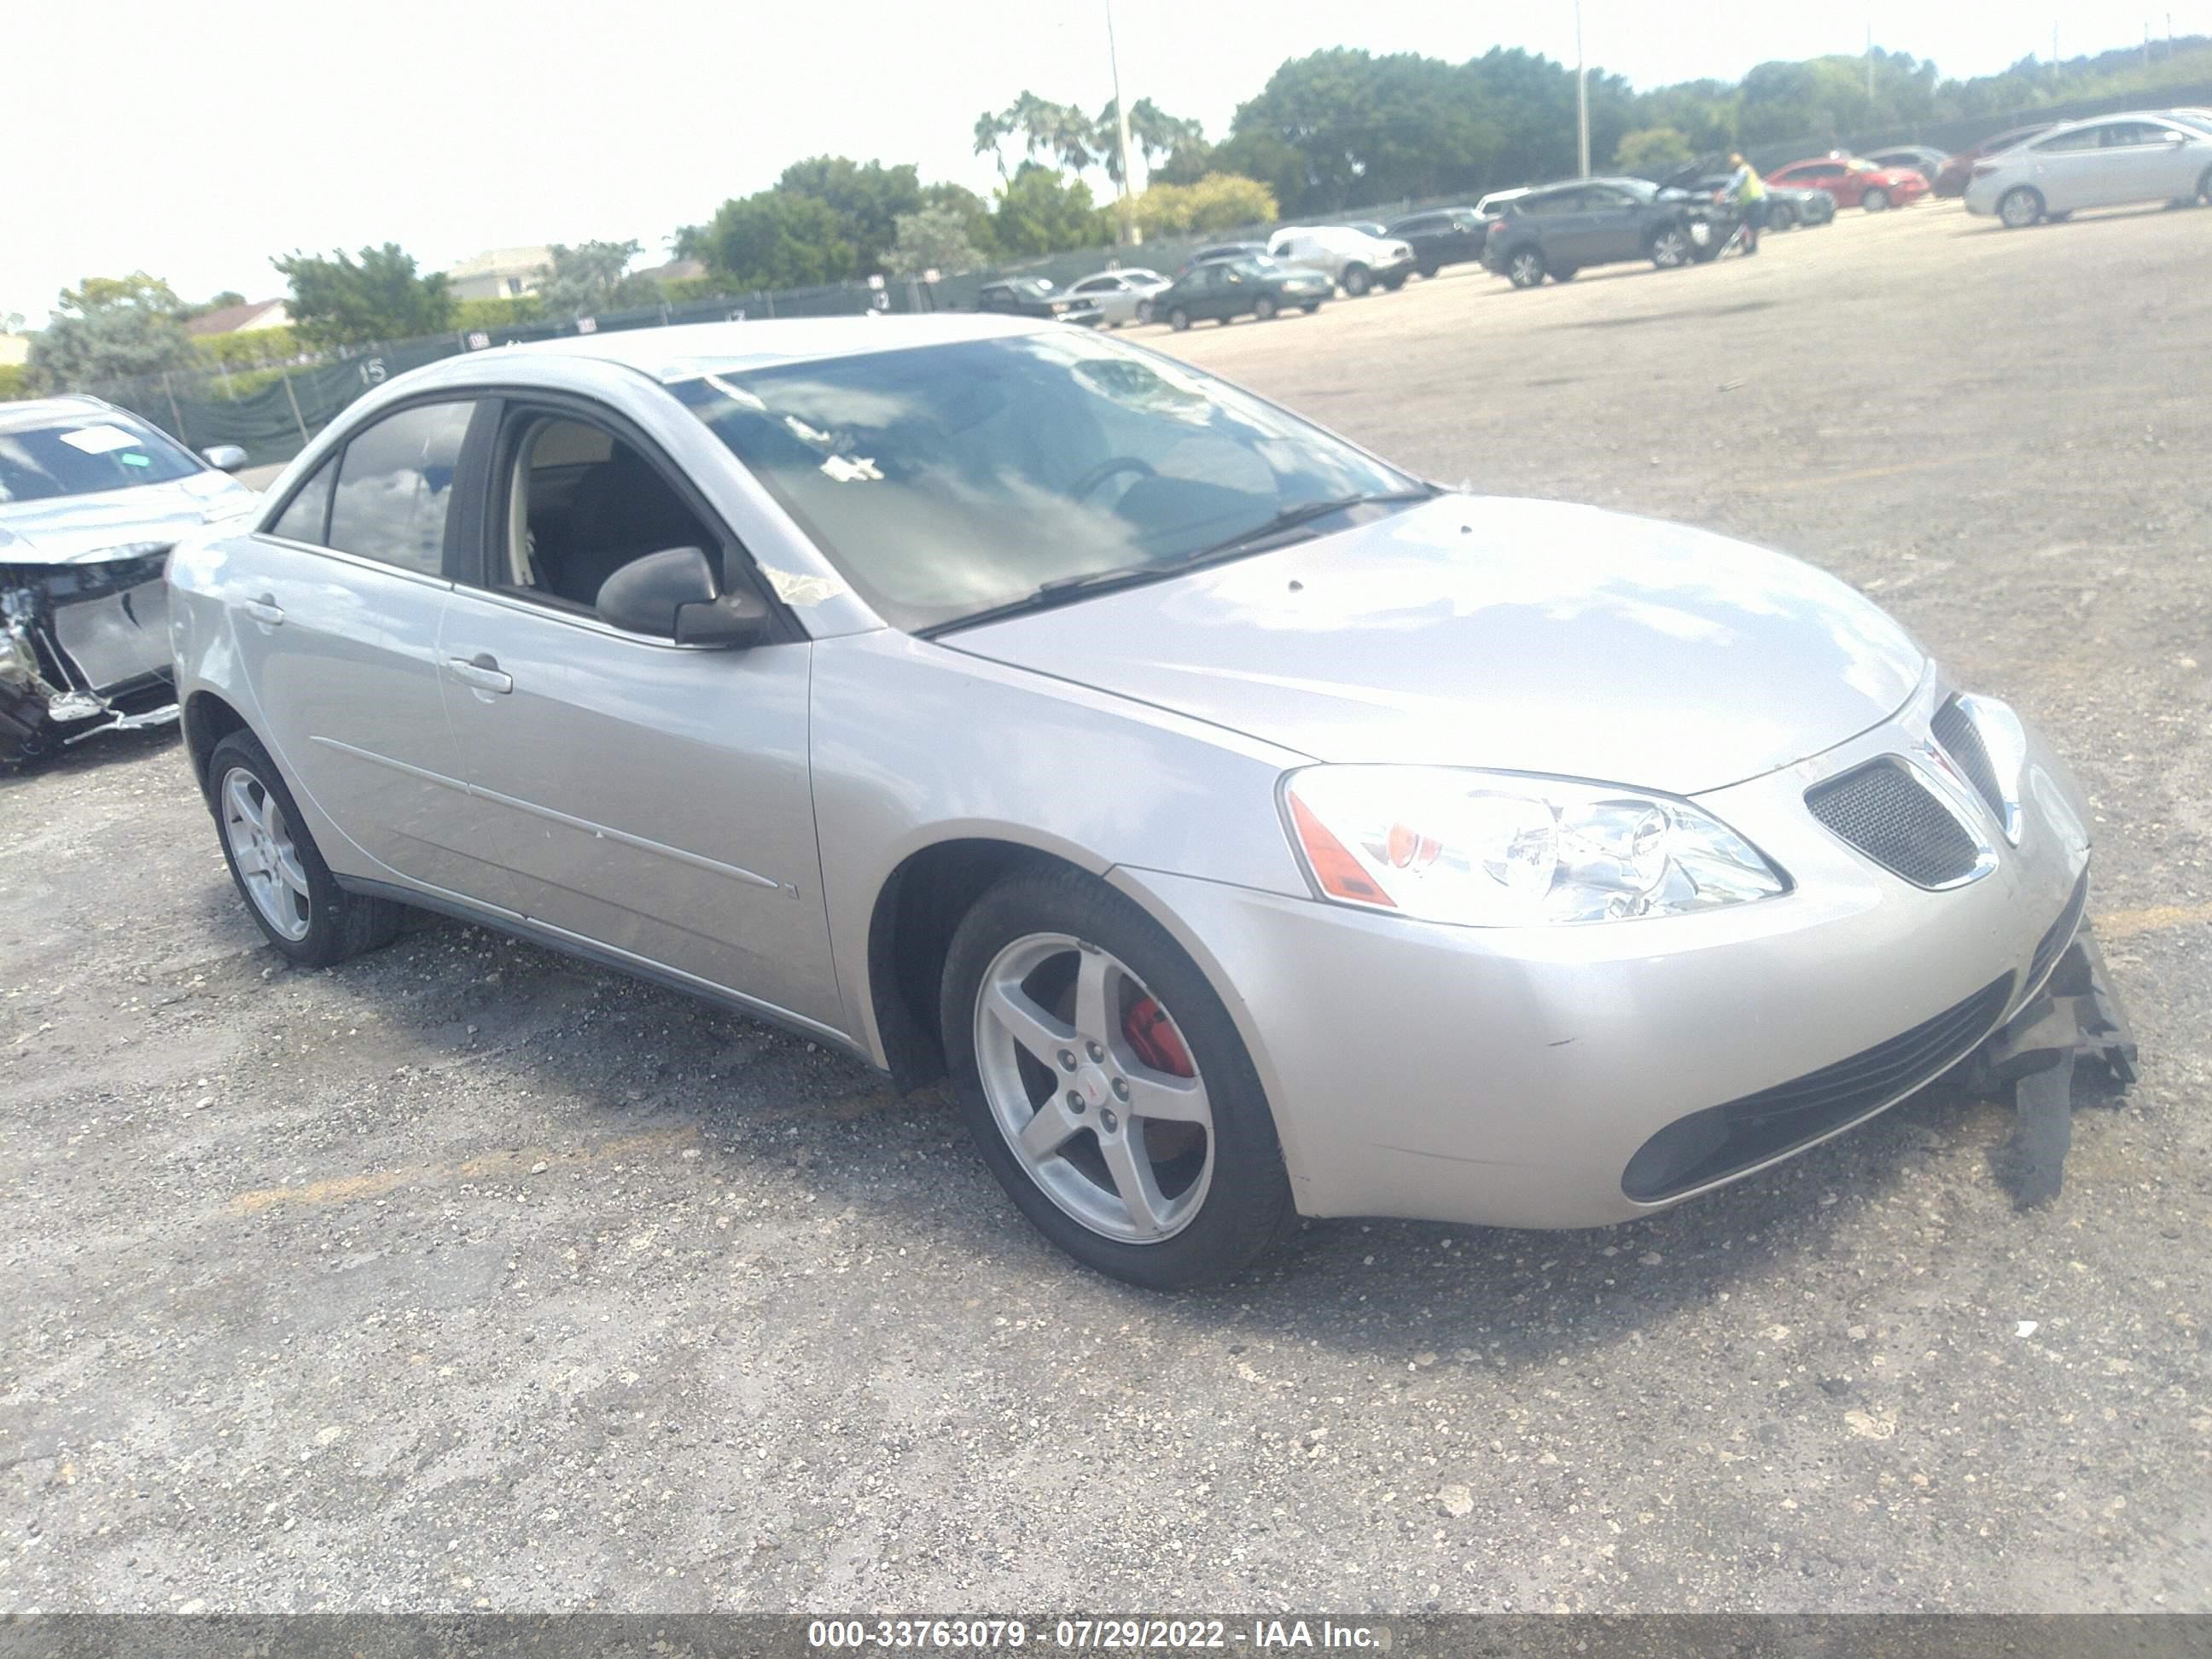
1525, 269
1143, 311
1670, 248
1106, 1087
2020, 208
288, 888
1874, 200
1780, 215
1263, 308
2204, 188
1356, 280
1178, 320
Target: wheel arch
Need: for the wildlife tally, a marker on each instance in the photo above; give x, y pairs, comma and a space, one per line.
208, 720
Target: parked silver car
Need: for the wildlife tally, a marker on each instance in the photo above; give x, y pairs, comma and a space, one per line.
92, 498
2149, 156
1248, 827
1123, 296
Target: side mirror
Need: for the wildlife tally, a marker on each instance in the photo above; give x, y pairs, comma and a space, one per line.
224, 457
672, 595
2174, 137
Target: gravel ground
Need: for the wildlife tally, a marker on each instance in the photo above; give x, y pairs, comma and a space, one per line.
464, 1276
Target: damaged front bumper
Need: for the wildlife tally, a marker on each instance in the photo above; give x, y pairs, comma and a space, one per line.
2073, 1020
84, 647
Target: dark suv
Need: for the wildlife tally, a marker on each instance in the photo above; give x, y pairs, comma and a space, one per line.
1558, 229
1033, 296
1441, 237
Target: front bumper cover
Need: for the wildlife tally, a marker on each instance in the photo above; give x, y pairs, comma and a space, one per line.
83, 648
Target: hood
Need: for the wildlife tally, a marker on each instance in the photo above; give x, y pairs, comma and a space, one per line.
86, 529
1521, 636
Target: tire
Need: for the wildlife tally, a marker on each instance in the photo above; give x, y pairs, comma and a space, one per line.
2019, 208
1264, 308
1524, 268
1395, 281
2057, 218
2204, 188
1178, 320
1875, 200
1428, 272
1561, 273
287, 888
1670, 248
1310, 309
1780, 215
1356, 280
1143, 311
1218, 1196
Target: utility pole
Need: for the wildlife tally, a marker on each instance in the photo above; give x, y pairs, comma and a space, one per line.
1869, 68
1131, 231
1582, 97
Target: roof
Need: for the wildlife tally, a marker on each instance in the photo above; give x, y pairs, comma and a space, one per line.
503, 262
40, 411
231, 320
689, 349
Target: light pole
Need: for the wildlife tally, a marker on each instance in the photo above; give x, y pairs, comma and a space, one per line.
1582, 97
1130, 230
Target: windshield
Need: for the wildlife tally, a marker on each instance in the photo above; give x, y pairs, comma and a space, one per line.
83, 455
1642, 189
946, 480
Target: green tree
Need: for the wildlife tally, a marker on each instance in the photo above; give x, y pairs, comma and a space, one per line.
592, 278
1060, 130
109, 328
776, 239
1042, 211
1648, 152
867, 200
342, 302
933, 238
974, 213
1218, 202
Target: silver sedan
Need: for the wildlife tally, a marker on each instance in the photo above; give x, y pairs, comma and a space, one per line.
1246, 828
1123, 296
2109, 161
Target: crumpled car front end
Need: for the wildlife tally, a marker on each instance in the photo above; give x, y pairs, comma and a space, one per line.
84, 647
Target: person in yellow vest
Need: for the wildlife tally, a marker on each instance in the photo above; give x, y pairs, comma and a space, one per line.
1747, 191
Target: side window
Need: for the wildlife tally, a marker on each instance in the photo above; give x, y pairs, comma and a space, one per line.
2086, 138
308, 511
1600, 197
581, 504
1559, 200
395, 484
2121, 134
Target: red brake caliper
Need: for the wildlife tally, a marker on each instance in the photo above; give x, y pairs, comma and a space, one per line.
1156, 1040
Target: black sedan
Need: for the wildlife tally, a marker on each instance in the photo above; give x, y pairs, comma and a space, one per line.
1035, 296
1441, 237
1223, 288
1557, 230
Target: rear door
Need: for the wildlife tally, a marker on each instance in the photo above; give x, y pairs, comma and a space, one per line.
1557, 218
1616, 225
648, 798
2069, 169
335, 609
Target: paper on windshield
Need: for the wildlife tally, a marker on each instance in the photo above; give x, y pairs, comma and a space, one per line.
100, 440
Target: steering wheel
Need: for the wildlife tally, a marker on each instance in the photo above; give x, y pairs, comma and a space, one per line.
1105, 470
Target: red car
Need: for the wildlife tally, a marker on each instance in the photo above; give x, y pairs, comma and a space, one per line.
1853, 182
1952, 180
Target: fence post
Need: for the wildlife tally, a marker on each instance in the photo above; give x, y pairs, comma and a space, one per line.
293, 398
175, 414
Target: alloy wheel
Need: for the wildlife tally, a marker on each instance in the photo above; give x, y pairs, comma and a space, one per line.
1089, 1080
1526, 271
1670, 248
261, 845
2019, 209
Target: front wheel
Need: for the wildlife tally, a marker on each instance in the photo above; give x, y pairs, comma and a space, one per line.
1106, 1086
2019, 209
1356, 280
279, 871
1670, 249
1263, 308
1782, 217
1525, 269
1178, 320
1875, 200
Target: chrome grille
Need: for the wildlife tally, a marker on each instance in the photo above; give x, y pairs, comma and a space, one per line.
1888, 814
1954, 729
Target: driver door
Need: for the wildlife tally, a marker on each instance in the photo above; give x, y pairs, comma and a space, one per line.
648, 798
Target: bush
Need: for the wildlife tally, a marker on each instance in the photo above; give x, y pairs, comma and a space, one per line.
1220, 201
1650, 151
14, 383
255, 348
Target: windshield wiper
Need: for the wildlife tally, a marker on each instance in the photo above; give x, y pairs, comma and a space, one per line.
1066, 590
1296, 515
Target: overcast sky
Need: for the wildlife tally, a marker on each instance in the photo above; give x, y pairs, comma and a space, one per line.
196, 141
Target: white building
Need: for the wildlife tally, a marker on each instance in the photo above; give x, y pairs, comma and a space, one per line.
499, 273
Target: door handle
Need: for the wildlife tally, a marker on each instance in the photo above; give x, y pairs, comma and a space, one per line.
482, 672
265, 609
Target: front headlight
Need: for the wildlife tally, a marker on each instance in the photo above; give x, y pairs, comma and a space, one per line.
1498, 850
2005, 740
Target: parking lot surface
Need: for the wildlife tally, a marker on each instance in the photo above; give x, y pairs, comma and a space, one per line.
465, 1276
